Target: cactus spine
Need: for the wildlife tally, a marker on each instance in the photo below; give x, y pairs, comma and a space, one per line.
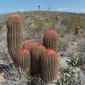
14, 34
28, 45
36, 54
23, 59
50, 39
49, 65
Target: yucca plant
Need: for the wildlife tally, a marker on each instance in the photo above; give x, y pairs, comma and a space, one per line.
49, 65
23, 60
36, 54
51, 39
14, 34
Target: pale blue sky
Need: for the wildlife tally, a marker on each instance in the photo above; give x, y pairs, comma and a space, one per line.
7, 6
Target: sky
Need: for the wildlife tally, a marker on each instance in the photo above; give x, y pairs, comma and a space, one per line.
8, 6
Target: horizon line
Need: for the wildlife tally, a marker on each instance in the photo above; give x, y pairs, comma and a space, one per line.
42, 11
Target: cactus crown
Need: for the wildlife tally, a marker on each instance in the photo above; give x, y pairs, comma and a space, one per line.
39, 46
22, 51
51, 31
50, 51
14, 15
29, 43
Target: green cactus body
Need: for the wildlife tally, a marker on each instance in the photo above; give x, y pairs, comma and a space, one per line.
36, 54
51, 39
23, 60
14, 34
28, 45
49, 65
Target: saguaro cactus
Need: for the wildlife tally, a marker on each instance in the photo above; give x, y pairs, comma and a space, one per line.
28, 45
49, 65
23, 59
14, 34
51, 39
36, 54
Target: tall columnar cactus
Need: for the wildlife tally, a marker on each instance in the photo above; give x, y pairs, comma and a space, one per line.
23, 60
51, 39
36, 54
49, 65
28, 45
14, 34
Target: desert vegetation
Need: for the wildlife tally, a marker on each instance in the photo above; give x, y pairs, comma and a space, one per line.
42, 48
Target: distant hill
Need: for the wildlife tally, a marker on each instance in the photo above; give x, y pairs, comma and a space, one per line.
69, 20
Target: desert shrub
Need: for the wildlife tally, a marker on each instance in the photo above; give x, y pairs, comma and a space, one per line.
71, 22
1, 24
81, 60
76, 61
38, 24
68, 76
46, 20
82, 23
63, 44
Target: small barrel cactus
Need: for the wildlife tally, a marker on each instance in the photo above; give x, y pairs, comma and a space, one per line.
28, 45
14, 34
36, 54
77, 29
49, 65
51, 39
23, 60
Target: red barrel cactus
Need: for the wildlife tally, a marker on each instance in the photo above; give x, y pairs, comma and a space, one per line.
51, 39
23, 60
49, 65
36, 54
14, 34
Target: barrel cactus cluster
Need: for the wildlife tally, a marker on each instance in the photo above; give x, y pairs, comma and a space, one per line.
35, 59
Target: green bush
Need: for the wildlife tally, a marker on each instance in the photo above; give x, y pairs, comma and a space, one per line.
76, 61
38, 24
68, 76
